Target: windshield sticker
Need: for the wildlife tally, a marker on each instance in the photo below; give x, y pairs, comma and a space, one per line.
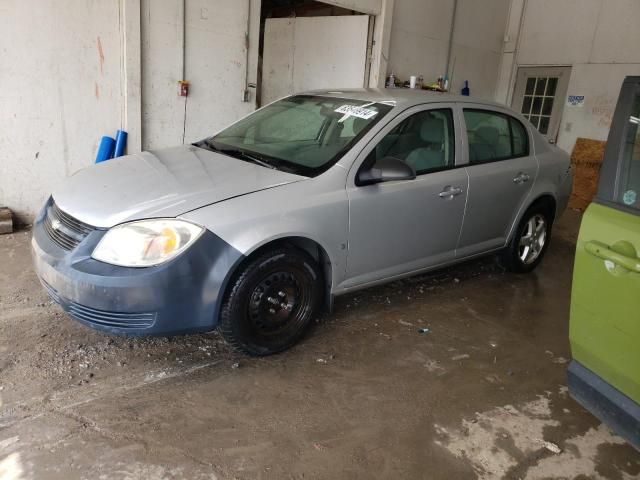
630, 197
359, 112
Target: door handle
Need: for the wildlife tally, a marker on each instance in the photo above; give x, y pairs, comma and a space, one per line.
521, 178
450, 192
600, 250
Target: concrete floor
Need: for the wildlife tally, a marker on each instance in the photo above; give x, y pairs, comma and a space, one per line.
365, 396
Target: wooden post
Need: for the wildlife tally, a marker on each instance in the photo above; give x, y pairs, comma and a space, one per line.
6, 220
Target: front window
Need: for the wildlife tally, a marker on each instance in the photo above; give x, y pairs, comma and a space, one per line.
424, 141
303, 134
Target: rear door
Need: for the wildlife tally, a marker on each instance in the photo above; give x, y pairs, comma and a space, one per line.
605, 303
502, 169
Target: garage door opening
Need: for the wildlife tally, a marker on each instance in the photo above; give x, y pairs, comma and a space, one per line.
307, 45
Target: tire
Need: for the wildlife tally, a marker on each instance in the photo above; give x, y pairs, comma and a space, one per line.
271, 302
530, 240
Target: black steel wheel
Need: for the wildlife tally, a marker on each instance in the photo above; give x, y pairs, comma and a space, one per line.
271, 302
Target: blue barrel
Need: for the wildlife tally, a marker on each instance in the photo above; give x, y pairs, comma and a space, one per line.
106, 149
121, 143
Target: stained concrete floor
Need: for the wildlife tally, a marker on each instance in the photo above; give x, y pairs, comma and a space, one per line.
365, 396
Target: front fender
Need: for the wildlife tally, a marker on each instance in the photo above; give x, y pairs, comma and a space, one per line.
315, 210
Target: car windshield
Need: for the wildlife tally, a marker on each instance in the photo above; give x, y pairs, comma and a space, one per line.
303, 134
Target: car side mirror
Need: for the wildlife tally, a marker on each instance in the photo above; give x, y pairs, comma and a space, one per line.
388, 169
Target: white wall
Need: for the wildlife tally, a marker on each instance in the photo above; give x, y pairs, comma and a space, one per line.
420, 40
477, 45
72, 71
214, 63
300, 54
597, 38
60, 91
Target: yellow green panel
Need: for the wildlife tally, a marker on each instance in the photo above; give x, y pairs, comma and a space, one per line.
605, 301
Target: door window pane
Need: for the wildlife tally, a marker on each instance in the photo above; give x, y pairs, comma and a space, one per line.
489, 136
531, 83
629, 181
494, 136
425, 141
537, 106
538, 100
535, 120
543, 127
541, 86
526, 105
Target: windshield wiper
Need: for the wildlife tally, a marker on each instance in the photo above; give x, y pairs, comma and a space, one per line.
242, 154
248, 156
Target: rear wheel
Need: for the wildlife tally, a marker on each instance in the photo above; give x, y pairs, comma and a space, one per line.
272, 302
530, 241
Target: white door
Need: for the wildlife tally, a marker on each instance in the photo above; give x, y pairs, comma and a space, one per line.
308, 53
539, 95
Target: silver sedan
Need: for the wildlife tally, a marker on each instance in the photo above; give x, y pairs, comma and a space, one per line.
253, 230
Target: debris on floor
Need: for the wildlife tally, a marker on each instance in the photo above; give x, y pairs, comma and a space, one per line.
495, 442
552, 447
463, 356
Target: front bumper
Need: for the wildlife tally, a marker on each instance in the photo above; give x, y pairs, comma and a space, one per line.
604, 401
181, 296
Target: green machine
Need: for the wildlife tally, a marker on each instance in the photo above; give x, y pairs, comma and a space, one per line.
604, 375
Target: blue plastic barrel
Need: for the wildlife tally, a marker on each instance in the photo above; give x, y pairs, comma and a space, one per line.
121, 143
106, 149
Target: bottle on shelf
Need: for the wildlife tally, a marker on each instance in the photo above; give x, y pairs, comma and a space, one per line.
465, 90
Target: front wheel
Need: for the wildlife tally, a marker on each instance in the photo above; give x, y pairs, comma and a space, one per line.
530, 241
271, 302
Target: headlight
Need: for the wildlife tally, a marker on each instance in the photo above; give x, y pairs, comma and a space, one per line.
146, 242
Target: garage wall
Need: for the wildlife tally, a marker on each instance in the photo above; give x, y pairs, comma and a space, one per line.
60, 73
72, 71
215, 64
477, 45
420, 39
596, 38
372, 7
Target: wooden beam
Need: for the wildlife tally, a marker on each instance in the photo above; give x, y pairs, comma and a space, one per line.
6, 220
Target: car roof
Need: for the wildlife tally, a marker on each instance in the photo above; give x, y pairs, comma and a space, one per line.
400, 97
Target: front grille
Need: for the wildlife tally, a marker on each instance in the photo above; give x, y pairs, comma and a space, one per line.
102, 318
51, 291
64, 230
111, 319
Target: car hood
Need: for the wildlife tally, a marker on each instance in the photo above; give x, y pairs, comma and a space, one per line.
163, 183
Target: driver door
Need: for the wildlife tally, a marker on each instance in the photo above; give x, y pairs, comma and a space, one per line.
400, 227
